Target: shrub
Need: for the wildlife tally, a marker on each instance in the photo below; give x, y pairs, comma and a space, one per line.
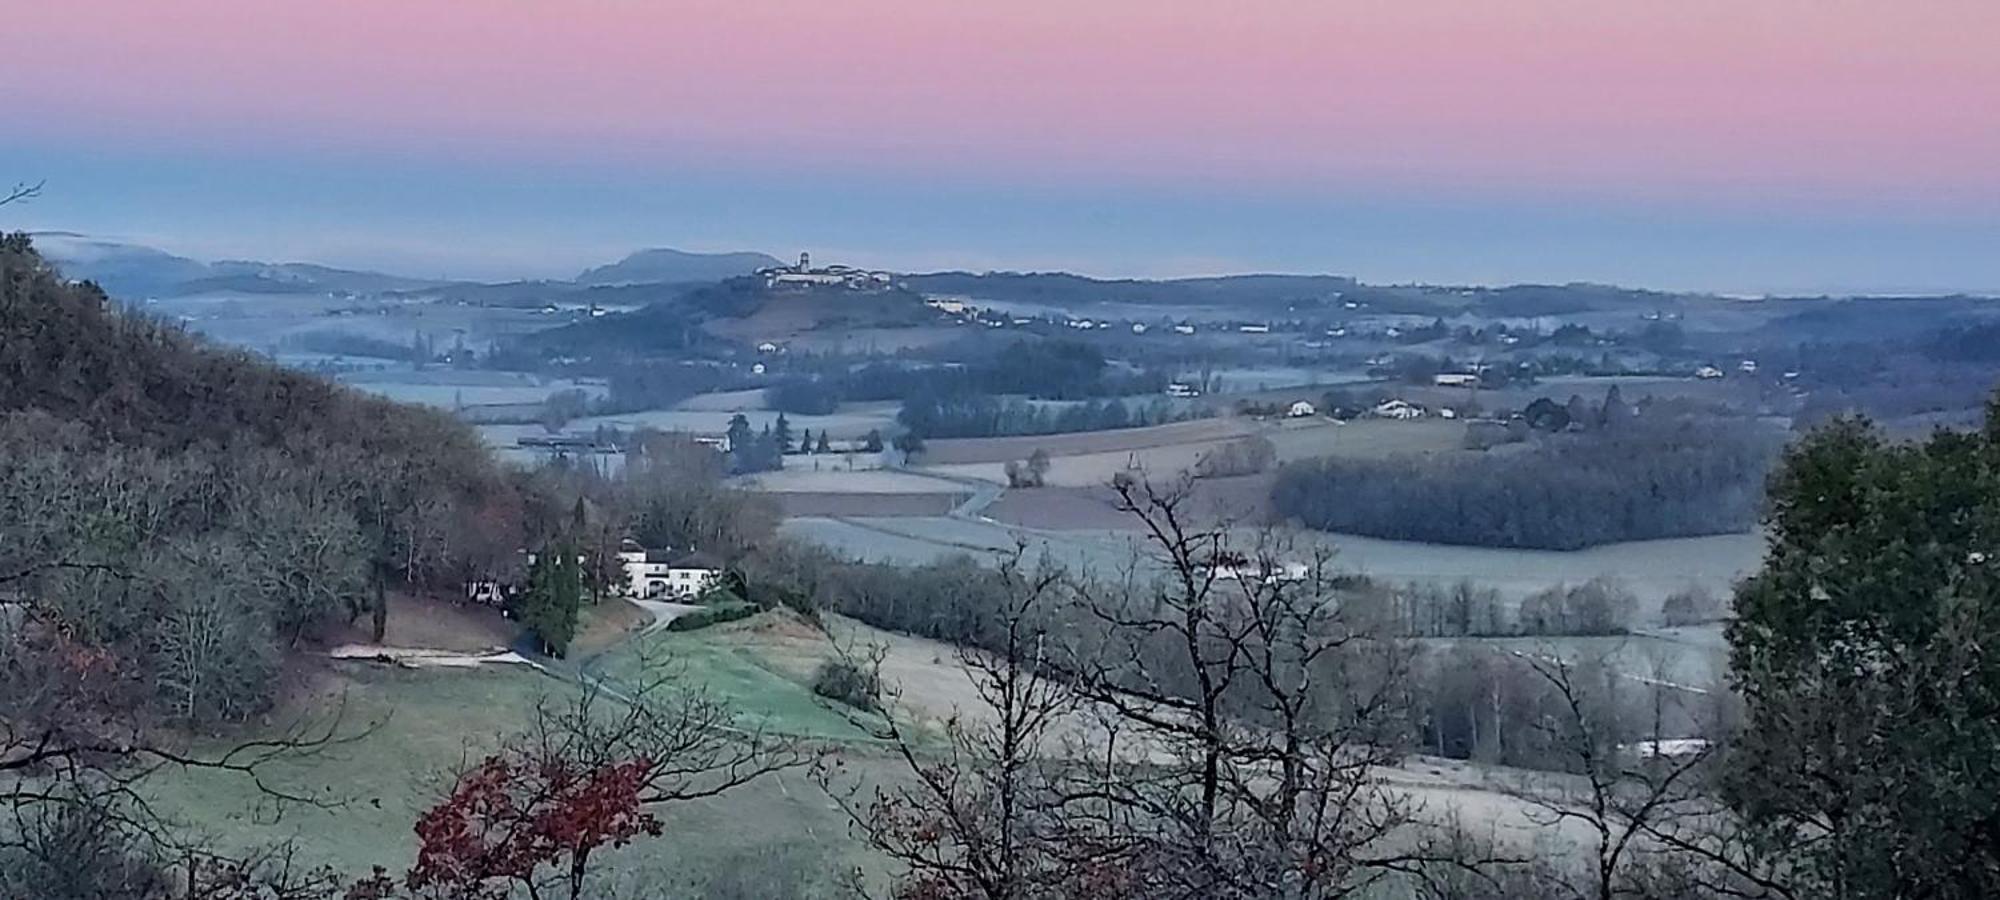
1691, 607
843, 681
1243, 456
713, 614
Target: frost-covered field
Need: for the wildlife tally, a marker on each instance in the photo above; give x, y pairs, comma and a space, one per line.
1651, 569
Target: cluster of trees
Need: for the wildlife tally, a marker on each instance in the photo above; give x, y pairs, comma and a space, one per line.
1031, 473
1044, 369
753, 451
643, 385
1476, 703
1653, 477
803, 396
1243, 456
935, 415
348, 343
765, 451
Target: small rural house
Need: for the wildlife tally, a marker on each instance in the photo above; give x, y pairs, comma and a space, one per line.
1229, 566
1398, 409
667, 573
1456, 379
1708, 373
1300, 410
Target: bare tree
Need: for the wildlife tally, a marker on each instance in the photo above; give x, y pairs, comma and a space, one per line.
993, 811
1263, 708
1639, 799
21, 191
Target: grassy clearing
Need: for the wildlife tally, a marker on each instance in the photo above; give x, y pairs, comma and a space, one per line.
413, 727
424, 723
734, 672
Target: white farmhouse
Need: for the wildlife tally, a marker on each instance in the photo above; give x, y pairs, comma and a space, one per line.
1301, 410
1398, 409
1456, 379
665, 573
1708, 372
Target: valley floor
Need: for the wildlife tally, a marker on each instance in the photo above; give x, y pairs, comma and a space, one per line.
408, 729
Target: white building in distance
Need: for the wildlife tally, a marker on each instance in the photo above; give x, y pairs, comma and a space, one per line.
658, 574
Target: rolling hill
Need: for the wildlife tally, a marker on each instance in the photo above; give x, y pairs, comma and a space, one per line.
667, 265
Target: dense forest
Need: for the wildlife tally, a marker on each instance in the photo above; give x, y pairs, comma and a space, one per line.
984, 415
1651, 476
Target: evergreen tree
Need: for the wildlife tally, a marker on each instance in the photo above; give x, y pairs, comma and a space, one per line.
739, 433
783, 434
554, 595
1862, 651
824, 445
806, 441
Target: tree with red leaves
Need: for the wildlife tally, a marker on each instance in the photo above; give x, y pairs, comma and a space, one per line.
585, 777
515, 819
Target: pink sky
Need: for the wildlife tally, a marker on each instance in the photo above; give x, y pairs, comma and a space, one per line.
1728, 101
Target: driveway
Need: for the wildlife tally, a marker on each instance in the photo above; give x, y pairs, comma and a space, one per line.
663, 611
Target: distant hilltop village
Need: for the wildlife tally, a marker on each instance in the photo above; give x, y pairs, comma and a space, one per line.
804, 275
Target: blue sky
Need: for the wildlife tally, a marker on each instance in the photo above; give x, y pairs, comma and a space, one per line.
496, 220
1781, 145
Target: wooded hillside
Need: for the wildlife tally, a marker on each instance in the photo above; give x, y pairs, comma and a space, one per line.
189, 511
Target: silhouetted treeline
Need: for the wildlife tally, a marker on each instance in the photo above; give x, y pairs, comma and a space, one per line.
984, 415
1649, 478
804, 396
640, 385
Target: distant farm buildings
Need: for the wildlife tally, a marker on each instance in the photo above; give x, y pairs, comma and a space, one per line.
804, 275
1397, 409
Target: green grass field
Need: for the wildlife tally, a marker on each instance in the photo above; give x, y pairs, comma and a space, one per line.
407, 730
733, 674
415, 727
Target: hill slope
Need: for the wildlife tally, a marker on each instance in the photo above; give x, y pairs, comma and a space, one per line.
134, 271
245, 505
665, 264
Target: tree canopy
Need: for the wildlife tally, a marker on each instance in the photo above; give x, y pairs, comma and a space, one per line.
1864, 649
